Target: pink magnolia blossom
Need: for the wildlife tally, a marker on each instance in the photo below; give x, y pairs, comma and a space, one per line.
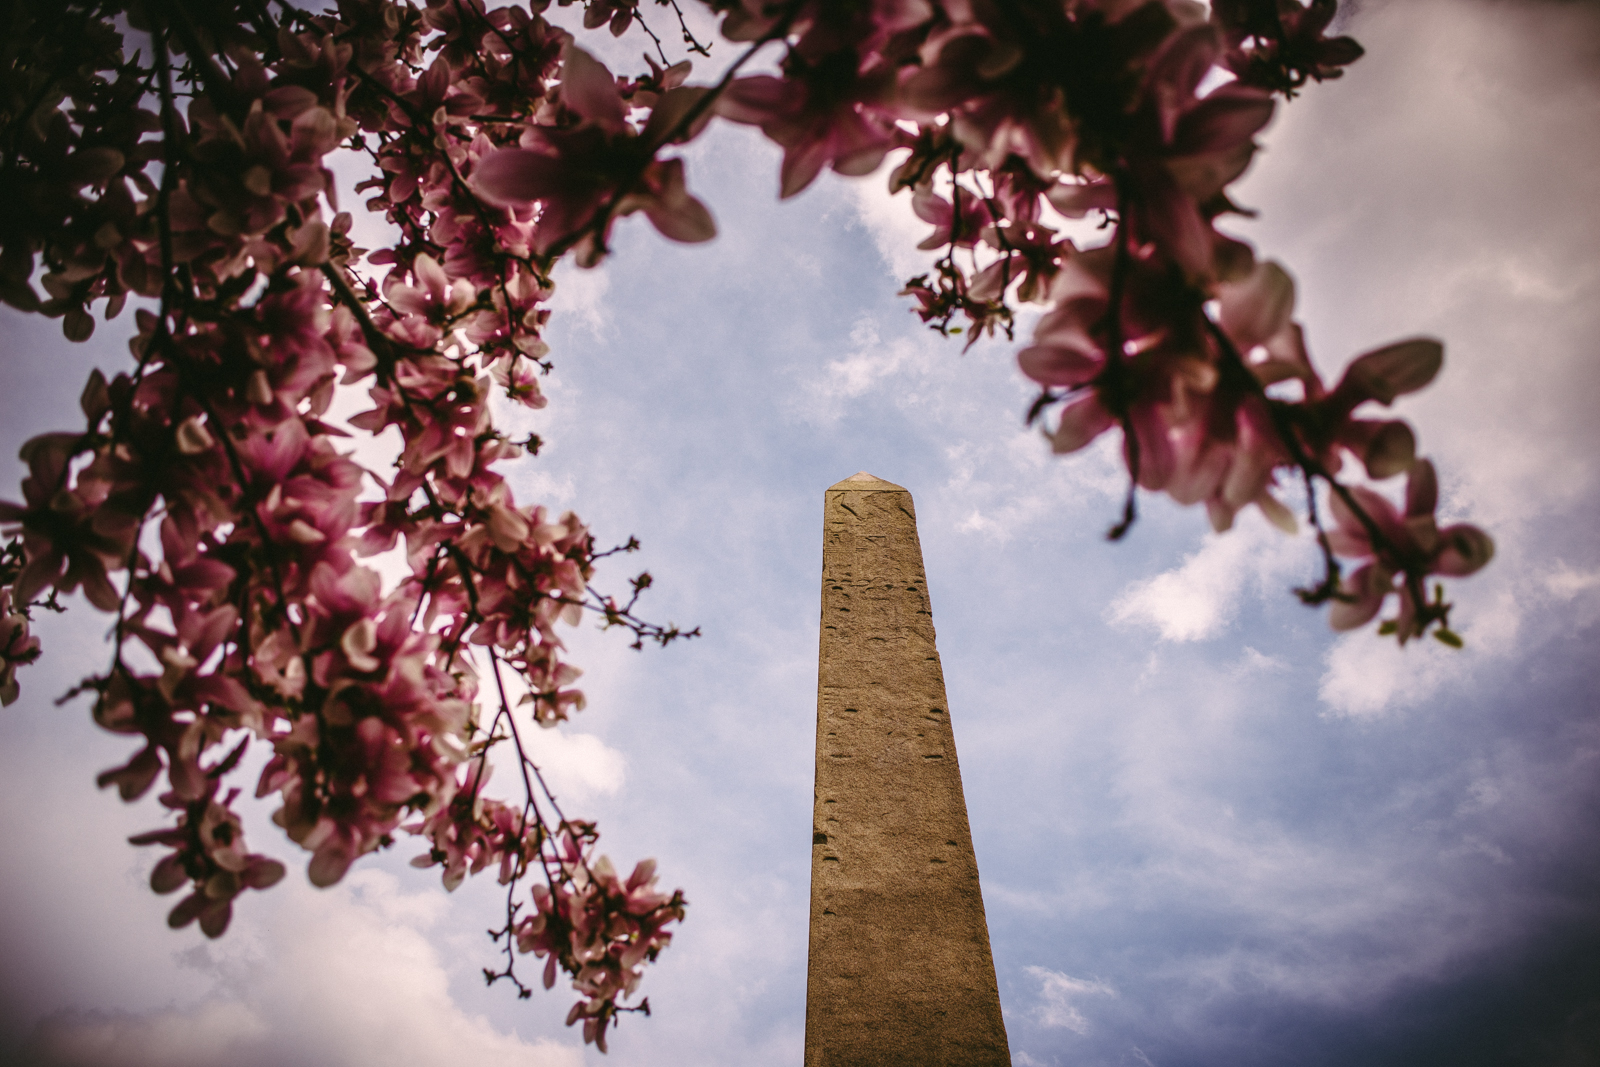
574, 172
17, 647
827, 110
1408, 542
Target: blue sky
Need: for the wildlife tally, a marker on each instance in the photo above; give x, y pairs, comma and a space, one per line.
1210, 831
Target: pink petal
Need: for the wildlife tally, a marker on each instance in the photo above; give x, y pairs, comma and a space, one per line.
1158, 459
1276, 513
262, 873
672, 106
1082, 420
1348, 538
1228, 117
169, 875
588, 88
1205, 175
97, 588
1221, 514
858, 146
1060, 364
1253, 460
332, 860
757, 99
801, 164
214, 919
1386, 448
40, 572
431, 275
223, 691
643, 871
1174, 222
1077, 200
1180, 66
1394, 370
930, 207
1257, 308
508, 528
994, 279
677, 215
133, 777
1368, 585
1422, 489
1466, 549
510, 176
187, 910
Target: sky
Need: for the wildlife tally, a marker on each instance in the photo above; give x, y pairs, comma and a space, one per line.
1210, 831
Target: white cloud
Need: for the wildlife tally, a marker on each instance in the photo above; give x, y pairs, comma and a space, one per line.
350, 979
871, 362
1567, 583
538, 485
577, 766
895, 228
1367, 675
1252, 661
1200, 597
1474, 845
1002, 488
1057, 995
581, 296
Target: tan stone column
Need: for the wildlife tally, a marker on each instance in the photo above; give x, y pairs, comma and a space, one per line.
900, 972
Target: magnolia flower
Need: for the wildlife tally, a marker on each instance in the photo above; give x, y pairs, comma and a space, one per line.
435, 295
825, 112
1399, 543
575, 173
1255, 313
17, 647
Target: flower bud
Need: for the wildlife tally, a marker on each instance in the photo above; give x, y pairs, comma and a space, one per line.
193, 437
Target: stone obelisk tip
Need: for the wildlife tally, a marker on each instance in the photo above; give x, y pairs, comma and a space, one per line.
862, 481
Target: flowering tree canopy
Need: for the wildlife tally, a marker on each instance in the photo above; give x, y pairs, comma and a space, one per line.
179, 153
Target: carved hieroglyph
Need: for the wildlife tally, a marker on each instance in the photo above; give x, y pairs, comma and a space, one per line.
900, 972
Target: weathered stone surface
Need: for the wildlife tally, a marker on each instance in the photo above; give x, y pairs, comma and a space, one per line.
900, 971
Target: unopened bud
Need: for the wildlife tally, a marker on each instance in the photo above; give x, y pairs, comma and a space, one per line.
259, 389
358, 643
193, 437
304, 533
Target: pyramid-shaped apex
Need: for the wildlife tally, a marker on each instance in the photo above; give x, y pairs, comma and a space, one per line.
862, 481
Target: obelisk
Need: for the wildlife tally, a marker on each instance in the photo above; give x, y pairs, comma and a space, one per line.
900, 972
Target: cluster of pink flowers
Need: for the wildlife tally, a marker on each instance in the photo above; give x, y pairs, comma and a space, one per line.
18, 648
601, 929
1144, 111
207, 502
208, 856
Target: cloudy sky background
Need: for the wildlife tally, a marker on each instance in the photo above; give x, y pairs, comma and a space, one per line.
1210, 831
